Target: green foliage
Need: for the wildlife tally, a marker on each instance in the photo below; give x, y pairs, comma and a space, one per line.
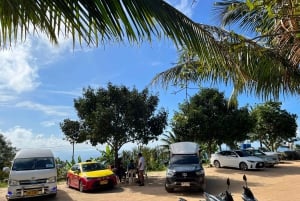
7, 153
209, 120
3, 184
273, 125
107, 156
117, 115
71, 130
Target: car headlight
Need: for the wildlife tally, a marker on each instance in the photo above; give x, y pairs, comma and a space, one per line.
13, 182
251, 161
200, 172
170, 173
51, 180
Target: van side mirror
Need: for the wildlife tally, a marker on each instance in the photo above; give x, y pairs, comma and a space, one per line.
6, 169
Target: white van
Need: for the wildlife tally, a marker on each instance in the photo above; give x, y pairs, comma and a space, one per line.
33, 173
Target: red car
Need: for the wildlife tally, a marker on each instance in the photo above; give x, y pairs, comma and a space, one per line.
87, 176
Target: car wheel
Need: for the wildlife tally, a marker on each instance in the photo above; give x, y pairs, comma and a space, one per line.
217, 164
169, 190
243, 166
52, 195
80, 186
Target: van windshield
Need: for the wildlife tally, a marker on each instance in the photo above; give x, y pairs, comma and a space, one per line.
21, 164
184, 159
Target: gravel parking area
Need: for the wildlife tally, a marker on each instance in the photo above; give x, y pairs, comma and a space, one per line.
271, 184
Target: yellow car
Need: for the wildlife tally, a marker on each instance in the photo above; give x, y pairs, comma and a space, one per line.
87, 176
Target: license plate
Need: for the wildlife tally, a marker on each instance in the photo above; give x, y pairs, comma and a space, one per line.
185, 184
31, 192
103, 182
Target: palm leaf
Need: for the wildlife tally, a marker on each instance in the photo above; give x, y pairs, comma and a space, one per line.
253, 69
99, 21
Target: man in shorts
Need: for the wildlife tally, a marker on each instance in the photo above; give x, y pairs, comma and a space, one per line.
141, 169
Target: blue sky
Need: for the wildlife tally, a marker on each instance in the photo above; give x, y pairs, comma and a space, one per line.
39, 81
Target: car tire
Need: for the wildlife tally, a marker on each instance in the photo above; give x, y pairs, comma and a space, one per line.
80, 186
217, 164
169, 190
52, 195
243, 166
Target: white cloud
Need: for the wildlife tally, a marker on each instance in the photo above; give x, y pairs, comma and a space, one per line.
47, 109
23, 138
17, 69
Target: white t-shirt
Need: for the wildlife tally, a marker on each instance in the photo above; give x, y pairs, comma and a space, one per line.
141, 163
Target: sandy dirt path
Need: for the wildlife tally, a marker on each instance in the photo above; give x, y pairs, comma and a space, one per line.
272, 184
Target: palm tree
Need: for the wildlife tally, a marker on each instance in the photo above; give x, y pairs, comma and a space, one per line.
262, 65
237, 59
169, 138
98, 21
277, 23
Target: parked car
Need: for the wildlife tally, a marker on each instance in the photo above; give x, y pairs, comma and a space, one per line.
270, 160
184, 169
236, 159
90, 176
276, 155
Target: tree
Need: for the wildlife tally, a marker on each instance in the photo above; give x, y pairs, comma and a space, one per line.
117, 116
208, 120
169, 138
266, 65
7, 153
71, 129
275, 23
234, 57
273, 125
107, 156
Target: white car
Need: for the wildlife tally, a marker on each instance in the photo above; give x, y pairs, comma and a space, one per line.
236, 159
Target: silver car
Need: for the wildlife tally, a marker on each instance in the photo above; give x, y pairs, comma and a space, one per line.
269, 160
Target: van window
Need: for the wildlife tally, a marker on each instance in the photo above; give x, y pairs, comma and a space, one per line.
21, 164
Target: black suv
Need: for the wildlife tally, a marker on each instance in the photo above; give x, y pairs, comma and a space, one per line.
185, 171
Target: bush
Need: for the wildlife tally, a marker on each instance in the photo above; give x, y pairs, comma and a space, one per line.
291, 155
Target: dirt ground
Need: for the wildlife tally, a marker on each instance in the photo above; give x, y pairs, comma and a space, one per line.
272, 184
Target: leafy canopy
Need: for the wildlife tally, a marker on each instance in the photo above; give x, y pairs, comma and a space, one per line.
273, 125
117, 115
208, 120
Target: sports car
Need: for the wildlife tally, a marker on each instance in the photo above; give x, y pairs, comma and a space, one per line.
236, 159
87, 176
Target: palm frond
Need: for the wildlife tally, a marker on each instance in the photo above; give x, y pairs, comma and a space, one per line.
253, 69
99, 21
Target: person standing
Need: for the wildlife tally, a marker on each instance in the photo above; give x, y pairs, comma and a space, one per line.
141, 169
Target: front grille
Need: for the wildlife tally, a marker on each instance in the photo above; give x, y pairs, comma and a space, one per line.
185, 174
187, 177
30, 182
